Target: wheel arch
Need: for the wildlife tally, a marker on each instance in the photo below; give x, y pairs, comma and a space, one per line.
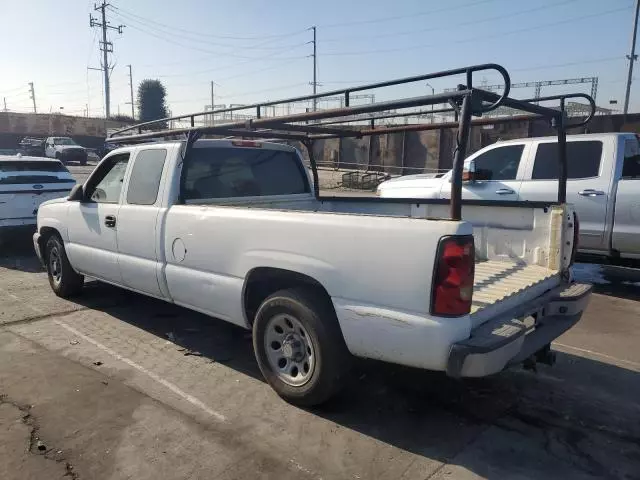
261, 282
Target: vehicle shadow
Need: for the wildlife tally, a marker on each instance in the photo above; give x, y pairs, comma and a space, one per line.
611, 280
578, 412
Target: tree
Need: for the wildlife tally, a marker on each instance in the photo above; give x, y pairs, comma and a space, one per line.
151, 102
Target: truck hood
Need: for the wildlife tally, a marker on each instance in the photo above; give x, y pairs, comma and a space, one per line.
61, 148
428, 180
55, 200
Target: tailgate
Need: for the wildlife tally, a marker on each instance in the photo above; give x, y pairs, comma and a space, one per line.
521, 252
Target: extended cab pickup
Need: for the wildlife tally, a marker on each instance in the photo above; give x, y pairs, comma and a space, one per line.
234, 230
603, 184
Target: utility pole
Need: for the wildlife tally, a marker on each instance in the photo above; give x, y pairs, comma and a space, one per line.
212, 104
315, 69
33, 97
133, 115
632, 58
106, 47
5, 103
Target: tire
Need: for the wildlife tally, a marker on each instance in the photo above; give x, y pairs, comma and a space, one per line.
64, 280
83, 161
325, 352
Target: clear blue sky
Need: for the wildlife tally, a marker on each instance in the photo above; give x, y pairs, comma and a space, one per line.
256, 49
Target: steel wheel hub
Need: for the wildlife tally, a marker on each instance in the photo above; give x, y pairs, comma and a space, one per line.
289, 350
55, 265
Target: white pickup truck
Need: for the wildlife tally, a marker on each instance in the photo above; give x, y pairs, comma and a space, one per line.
237, 233
236, 229
603, 174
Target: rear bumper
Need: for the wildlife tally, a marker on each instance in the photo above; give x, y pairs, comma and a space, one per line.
510, 339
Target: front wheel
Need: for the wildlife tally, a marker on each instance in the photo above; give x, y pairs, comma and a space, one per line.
299, 346
64, 280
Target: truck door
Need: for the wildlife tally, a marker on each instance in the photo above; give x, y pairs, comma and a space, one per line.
626, 223
49, 150
92, 223
139, 236
587, 185
497, 174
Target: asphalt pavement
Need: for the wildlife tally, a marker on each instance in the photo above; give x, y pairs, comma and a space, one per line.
116, 385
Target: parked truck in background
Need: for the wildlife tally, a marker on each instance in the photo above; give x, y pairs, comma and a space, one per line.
603, 184
65, 149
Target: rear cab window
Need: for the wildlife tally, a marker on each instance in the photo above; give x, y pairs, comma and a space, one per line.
232, 172
583, 160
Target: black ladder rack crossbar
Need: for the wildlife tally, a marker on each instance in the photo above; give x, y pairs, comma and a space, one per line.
466, 101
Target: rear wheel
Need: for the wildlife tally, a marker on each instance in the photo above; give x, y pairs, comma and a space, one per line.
299, 346
64, 280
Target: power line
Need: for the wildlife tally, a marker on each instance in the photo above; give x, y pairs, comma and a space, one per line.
402, 17
189, 36
478, 38
448, 27
539, 67
190, 31
174, 42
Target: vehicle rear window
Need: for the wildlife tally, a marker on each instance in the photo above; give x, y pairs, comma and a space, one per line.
227, 172
583, 160
27, 166
25, 172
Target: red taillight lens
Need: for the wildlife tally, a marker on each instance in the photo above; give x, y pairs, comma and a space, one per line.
453, 282
576, 237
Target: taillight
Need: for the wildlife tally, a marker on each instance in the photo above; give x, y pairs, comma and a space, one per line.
453, 281
576, 237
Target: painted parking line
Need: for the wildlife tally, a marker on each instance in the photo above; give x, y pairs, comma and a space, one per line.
622, 361
189, 398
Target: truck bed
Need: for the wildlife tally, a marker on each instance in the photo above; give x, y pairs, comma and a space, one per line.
497, 281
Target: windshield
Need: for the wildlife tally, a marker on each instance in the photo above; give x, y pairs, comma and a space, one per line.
63, 141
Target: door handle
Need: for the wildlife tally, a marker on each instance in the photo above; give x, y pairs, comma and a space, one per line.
590, 192
110, 221
504, 191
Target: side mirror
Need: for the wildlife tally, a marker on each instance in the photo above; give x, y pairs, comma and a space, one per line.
77, 193
469, 172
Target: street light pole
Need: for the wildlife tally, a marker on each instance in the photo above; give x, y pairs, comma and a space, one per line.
632, 58
433, 92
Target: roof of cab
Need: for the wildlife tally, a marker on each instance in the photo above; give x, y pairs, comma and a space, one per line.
551, 138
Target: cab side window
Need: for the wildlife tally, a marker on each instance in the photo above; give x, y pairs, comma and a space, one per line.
631, 165
499, 163
108, 189
583, 160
